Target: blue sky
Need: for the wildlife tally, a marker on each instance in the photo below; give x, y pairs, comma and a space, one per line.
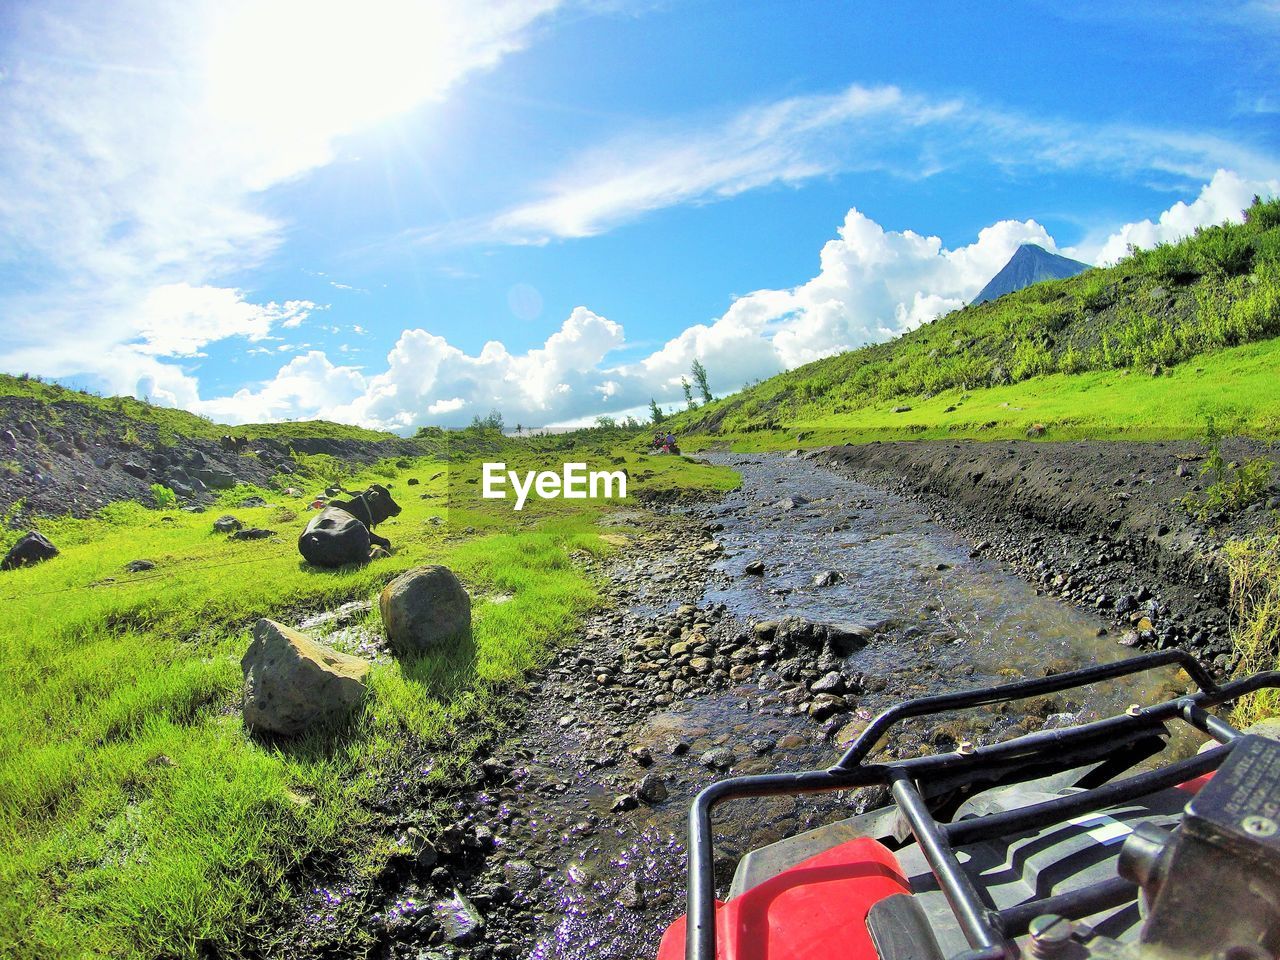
399, 213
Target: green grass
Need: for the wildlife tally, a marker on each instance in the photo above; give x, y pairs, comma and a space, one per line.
137, 817
1254, 566
172, 423
1176, 306
1238, 388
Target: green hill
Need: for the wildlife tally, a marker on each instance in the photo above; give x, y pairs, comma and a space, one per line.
1059, 354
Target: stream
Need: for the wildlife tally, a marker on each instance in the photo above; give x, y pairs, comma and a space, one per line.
583, 825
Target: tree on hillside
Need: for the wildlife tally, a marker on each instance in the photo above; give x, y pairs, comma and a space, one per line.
700, 379
606, 423
655, 411
493, 421
519, 428
688, 393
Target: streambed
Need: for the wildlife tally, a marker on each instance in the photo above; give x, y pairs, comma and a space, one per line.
575, 847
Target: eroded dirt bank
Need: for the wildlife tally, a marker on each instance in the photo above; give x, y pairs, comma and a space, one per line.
710, 663
1098, 524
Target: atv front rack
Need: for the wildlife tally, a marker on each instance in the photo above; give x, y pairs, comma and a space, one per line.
1116, 741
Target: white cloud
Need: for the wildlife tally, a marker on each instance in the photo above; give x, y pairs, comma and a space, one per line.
857, 129
178, 319
307, 383
1222, 198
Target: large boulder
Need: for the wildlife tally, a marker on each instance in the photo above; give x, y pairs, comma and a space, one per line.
216, 479
334, 538
31, 547
293, 685
423, 608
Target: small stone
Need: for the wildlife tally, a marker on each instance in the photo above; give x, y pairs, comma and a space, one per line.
718, 758
652, 788
138, 566
641, 755
252, 533
631, 894
459, 921
833, 682
754, 569
827, 578
623, 802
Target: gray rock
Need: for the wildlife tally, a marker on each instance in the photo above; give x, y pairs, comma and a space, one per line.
423, 608
32, 548
138, 566
631, 894
134, 469
459, 920
754, 569
9, 440
827, 578
227, 524
252, 533
28, 430
718, 758
293, 685
652, 788
833, 682
216, 479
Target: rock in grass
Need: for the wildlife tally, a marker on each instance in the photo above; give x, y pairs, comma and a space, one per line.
139, 566
31, 548
424, 608
293, 685
252, 533
227, 524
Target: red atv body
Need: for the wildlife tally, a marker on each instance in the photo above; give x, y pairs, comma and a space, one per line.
1046, 845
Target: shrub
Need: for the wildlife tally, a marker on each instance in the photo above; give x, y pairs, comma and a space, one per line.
1254, 568
165, 499
1224, 251
1231, 488
1094, 292
1263, 214
1170, 262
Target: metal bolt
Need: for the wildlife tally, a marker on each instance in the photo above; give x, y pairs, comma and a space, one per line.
1135, 710
966, 748
1050, 935
1259, 826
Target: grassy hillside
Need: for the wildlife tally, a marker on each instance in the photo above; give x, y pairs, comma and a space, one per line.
1078, 353
137, 817
174, 423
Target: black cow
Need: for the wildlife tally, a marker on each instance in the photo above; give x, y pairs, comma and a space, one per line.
342, 532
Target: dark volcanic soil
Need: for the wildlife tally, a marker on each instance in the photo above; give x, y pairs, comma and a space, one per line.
572, 844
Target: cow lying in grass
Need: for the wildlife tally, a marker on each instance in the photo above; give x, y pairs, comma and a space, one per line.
342, 532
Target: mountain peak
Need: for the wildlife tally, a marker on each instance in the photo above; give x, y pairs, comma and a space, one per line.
1029, 264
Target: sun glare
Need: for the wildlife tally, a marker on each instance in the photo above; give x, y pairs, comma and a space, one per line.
295, 74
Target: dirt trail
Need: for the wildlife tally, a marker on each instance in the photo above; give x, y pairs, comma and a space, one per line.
574, 847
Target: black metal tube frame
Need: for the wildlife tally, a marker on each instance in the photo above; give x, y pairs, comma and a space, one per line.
983, 928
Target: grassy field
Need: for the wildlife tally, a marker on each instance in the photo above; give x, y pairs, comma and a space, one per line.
1239, 388
138, 818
